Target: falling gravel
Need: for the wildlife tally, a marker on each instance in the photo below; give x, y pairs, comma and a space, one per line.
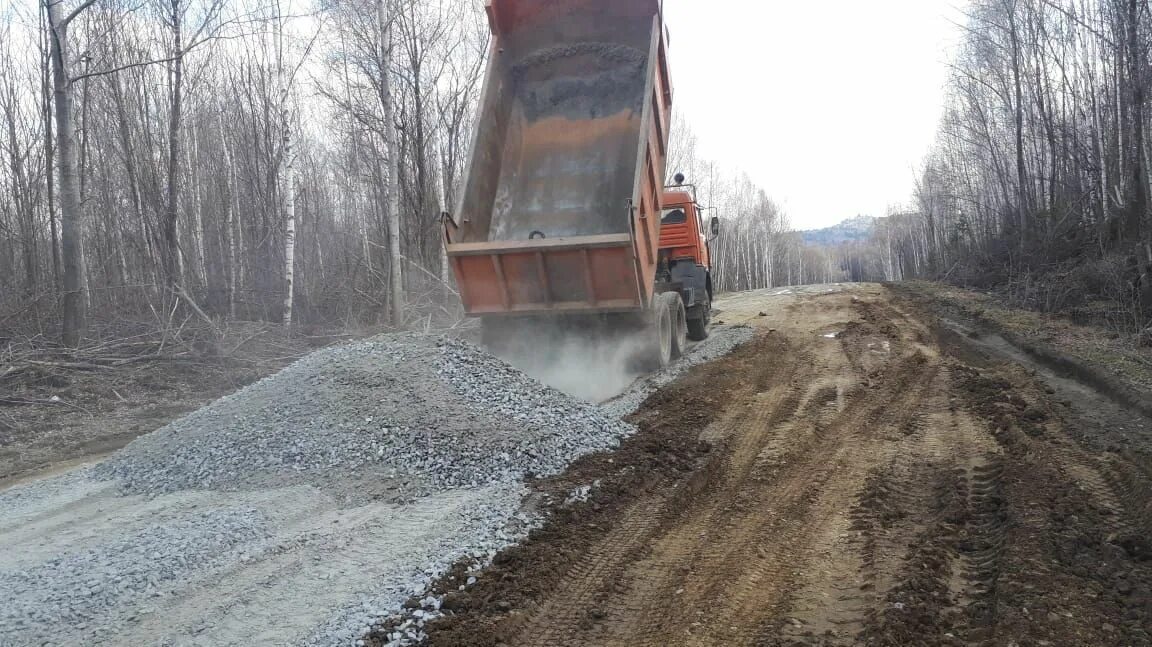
394, 418
721, 341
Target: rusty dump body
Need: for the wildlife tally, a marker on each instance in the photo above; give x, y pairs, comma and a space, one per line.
560, 212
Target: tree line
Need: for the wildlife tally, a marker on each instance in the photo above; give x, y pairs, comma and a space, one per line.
1038, 182
282, 161
758, 246
238, 160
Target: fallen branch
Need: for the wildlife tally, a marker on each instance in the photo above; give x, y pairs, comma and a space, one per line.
76, 366
165, 327
180, 292
50, 401
245, 341
21, 401
102, 363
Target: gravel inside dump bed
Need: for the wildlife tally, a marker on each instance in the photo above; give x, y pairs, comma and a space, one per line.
393, 418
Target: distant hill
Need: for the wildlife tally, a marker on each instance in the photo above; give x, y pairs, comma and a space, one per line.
851, 230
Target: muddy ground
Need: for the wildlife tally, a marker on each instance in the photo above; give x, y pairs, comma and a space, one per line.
54, 416
871, 470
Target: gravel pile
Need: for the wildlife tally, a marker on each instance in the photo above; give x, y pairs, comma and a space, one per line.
396, 417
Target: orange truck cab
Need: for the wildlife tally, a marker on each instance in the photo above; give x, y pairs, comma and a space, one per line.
685, 257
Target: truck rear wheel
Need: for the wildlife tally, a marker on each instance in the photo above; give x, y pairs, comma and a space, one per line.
675, 305
698, 325
656, 348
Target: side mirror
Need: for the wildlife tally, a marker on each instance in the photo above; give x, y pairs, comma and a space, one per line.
715, 226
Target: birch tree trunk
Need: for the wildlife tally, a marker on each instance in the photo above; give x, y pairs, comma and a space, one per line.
198, 200
75, 282
173, 263
230, 206
392, 186
289, 188
287, 175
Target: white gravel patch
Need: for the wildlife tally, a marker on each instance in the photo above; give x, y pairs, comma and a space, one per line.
87, 588
277, 567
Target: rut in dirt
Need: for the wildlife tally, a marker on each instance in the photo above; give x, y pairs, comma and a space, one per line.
862, 484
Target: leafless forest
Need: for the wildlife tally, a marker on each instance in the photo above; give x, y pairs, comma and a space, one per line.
268, 162
1038, 183
206, 161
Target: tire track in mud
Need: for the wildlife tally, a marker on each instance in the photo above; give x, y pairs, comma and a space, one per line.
579, 597
870, 481
904, 526
655, 577
795, 450
1071, 557
1131, 480
808, 469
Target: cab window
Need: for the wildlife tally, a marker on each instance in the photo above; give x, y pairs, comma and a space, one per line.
674, 217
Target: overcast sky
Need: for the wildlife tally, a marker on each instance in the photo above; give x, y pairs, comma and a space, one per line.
829, 105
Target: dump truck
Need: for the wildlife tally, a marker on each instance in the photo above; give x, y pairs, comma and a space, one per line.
564, 221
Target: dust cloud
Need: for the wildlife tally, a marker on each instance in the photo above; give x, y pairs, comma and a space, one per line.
589, 368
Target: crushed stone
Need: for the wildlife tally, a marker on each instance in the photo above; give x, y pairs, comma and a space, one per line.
87, 565
114, 576
393, 418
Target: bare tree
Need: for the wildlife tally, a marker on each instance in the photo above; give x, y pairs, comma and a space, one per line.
287, 175
223, 170
392, 188
75, 284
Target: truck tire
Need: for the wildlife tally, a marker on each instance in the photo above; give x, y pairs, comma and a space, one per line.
656, 350
675, 305
698, 325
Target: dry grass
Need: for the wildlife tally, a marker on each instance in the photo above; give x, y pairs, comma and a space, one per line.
1120, 354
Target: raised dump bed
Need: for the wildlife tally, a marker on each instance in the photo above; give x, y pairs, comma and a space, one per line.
560, 212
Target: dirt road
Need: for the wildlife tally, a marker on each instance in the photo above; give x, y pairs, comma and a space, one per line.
863, 472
